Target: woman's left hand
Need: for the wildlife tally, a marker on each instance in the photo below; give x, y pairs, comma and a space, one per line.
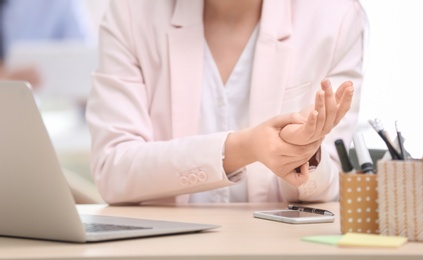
329, 109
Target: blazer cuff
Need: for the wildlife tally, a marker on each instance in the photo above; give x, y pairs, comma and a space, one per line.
237, 175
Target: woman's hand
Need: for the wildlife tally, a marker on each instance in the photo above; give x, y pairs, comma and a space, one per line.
263, 143
329, 109
27, 73
286, 142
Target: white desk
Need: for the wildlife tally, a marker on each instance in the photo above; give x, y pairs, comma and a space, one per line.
240, 237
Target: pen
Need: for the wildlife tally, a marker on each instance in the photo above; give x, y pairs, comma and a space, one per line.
400, 142
363, 154
377, 125
311, 210
343, 156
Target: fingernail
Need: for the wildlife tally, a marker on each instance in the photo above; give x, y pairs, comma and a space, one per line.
325, 84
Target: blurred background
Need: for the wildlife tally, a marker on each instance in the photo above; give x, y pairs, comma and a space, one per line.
62, 109
59, 52
53, 45
392, 88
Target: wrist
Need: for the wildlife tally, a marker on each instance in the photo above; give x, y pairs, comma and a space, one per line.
237, 151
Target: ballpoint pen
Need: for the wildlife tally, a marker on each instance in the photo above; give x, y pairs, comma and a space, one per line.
311, 210
400, 141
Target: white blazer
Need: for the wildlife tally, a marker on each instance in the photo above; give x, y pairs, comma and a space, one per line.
144, 107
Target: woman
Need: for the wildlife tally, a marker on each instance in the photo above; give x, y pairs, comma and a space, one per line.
224, 101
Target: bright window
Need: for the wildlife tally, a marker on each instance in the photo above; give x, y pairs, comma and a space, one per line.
393, 85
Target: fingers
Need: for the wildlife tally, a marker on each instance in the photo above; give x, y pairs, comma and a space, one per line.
281, 121
300, 137
321, 113
309, 128
280, 156
344, 104
329, 109
334, 105
297, 179
291, 164
310, 125
341, 89
267, 145
300, 151
298, 134
330, 106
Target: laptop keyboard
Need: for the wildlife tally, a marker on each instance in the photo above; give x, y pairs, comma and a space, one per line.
99, 227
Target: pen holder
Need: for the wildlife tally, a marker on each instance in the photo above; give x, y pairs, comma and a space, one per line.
400, 188
358, 203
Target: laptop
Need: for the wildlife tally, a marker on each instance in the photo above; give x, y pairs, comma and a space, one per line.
35, 199
65, 66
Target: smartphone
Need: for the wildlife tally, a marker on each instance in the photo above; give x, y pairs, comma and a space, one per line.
293, 216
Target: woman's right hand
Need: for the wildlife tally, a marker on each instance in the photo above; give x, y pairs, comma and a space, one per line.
264, 144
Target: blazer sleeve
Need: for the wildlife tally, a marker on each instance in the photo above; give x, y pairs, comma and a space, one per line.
128, 164
347, 64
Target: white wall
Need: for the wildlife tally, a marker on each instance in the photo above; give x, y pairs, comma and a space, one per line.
393, 86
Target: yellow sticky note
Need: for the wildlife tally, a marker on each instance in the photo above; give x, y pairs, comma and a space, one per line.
370, 240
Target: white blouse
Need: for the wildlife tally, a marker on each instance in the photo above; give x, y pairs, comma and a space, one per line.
224, 108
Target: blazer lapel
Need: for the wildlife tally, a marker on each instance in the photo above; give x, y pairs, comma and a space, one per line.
186, 48
271, 61
270, 73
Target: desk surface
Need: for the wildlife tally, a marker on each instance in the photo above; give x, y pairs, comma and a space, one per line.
241, 236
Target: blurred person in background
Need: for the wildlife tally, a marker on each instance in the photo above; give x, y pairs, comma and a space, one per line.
39, 20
